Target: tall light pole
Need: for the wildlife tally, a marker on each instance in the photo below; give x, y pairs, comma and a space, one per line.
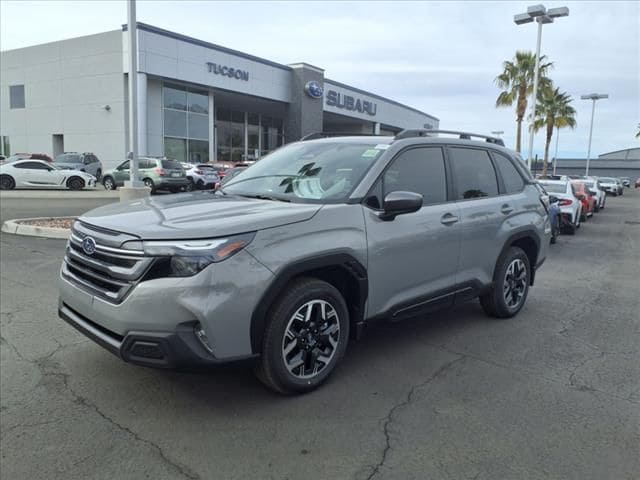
541, 15
555, 157
593, 97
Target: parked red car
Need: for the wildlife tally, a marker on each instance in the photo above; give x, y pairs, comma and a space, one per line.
588, 201
29, 156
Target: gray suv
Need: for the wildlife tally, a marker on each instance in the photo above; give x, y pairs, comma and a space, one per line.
85, 162
297, 253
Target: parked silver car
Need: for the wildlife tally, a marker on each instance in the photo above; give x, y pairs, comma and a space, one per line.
297, 253
85, 162
42, 174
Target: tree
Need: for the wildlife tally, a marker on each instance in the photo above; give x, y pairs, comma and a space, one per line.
553, 110
516, 82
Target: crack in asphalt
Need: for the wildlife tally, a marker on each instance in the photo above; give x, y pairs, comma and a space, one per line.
388, 420
542, 377
49, 369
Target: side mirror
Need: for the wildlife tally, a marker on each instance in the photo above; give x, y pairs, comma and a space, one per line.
399, 203
553, 199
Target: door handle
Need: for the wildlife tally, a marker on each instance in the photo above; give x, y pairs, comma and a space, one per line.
506, 209
449, 219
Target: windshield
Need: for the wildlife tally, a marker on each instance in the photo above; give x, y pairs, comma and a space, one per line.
555, 187
66, 158
607, 180
317, 172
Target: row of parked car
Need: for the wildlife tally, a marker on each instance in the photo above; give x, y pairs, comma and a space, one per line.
75, 171
574, 199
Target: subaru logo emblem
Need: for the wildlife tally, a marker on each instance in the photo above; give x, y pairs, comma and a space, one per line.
314, 89
89, 245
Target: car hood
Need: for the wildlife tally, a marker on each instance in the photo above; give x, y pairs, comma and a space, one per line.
196, 215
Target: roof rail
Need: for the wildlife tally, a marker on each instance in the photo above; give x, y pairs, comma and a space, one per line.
411, 133
316, 135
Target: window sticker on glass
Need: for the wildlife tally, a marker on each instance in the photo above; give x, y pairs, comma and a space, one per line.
372, 152
382, 146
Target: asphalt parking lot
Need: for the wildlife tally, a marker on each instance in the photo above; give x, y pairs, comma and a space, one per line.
553, 393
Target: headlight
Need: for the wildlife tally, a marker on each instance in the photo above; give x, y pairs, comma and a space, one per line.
184, 258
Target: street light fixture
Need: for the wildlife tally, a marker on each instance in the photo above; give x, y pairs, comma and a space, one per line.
593, 97
497, 133
542, 16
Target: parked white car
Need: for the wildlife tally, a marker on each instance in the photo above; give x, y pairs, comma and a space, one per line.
611, 185
570, 206
202, 175
593, 184
41, 174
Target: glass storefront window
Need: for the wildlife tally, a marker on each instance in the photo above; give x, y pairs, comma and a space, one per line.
198, 151
186, 123
175, 97
175, 123
198, 102
198, 126
175, 148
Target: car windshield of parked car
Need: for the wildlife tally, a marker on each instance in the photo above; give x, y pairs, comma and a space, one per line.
316, 172
607, 180
66, 158
555, 187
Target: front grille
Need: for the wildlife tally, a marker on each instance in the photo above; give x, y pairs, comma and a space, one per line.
111, 271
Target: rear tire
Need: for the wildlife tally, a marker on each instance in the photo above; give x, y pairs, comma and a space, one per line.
7, 182
305, 337
149, 184
75, 183
510, 285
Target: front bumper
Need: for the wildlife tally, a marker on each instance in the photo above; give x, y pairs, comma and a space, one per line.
179, 348
221, 298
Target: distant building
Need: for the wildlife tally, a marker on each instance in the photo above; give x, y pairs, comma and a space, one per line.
197, 101
621, 163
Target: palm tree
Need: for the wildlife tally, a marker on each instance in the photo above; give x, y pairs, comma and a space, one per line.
516, 82
553, 109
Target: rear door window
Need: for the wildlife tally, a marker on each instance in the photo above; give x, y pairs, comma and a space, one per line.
473, 173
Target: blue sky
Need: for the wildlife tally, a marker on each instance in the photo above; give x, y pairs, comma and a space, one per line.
440, 57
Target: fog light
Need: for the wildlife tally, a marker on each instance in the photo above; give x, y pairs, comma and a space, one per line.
202, 336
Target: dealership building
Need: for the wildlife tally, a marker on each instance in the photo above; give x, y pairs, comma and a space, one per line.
197, 101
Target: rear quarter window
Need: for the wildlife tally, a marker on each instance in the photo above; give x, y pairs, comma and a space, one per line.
513, 182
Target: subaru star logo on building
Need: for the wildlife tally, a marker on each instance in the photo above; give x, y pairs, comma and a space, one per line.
314, 89
89, 246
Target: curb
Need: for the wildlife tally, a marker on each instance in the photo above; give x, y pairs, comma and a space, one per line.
66, 195
16, 228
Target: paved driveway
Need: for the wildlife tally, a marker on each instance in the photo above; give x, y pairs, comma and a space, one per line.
553, 393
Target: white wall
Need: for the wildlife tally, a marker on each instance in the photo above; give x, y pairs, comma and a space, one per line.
67, 84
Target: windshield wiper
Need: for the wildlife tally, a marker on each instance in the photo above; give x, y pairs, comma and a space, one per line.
264, 197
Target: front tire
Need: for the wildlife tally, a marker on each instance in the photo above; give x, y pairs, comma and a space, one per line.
75, 183
7, 182
305, 338
510, 285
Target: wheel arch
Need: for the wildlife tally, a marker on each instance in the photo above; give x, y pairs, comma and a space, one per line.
529, 241
341, 270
